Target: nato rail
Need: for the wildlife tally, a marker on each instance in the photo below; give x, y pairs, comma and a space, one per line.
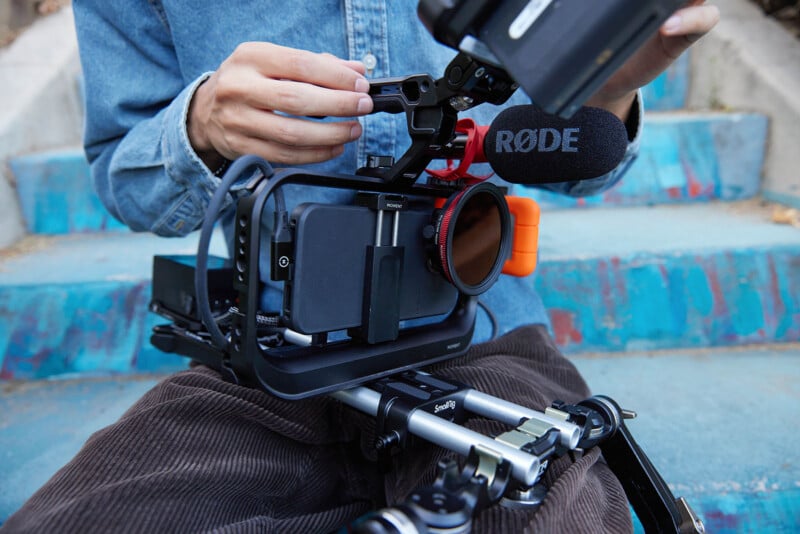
505, 469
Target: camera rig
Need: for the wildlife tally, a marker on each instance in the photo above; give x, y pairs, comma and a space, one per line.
215, 305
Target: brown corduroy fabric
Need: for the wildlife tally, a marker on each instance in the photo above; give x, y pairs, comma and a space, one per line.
198, 454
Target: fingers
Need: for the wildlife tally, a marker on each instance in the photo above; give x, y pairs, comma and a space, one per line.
257, 100
691, 22
289, 155
304, 99
686, 26
323, 70
296, 82
281, 139
272, 127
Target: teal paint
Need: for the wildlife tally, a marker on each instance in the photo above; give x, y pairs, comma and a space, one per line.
745, 513
684, 158
683, 300
668, 91
80, 305
57, 196
86, 329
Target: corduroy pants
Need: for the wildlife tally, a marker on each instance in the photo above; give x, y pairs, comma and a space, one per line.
198, 454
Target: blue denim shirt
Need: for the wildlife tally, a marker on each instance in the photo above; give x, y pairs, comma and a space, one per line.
143, 60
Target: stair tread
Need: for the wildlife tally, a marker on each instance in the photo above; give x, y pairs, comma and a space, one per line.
663, 229
564, 234
713, 420
75, 258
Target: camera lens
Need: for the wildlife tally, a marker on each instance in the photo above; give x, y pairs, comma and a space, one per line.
473, 238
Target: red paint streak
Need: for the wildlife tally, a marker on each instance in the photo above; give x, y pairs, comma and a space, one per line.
564, 327
694, 187
674, 192
720, 308
720, 313
622, 289
612, 288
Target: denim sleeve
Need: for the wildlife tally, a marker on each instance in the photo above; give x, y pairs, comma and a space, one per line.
143, 166
593, 186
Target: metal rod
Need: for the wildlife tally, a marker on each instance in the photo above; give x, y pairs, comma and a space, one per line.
379, 229
395, 228
524, 466
510, 413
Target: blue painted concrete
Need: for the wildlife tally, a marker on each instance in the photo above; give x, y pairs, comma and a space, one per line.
79, 304
685, 158
720, 425
612, 279
57, 196
672, 276
669, 90
786, 200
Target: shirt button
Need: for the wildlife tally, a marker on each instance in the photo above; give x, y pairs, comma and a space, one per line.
370, 61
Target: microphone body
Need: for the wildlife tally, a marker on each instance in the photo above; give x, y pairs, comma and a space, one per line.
525, 145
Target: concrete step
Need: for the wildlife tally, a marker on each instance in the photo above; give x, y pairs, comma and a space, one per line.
670, 90
78, 304
720, 425
719, 274
685, 157
56, 194
701, 275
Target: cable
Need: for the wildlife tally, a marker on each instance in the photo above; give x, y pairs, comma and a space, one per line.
492, 318
235, 171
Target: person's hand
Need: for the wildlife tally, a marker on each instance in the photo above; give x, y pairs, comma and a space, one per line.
678, 33
258, 102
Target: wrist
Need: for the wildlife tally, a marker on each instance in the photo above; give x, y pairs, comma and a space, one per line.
620, 106
196, 128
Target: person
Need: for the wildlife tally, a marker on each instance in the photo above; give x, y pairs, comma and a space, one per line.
177, 89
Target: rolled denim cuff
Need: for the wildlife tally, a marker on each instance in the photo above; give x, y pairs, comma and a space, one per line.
185, 168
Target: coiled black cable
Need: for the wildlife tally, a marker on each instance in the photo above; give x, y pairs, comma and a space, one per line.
236, 170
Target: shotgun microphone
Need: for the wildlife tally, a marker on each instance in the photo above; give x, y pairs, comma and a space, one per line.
525, 145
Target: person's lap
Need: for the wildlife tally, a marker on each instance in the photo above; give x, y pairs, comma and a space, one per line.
197, 453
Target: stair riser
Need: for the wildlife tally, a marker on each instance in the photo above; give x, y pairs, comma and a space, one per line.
684, 300
57, 196
82, 328
685, 158
642, 302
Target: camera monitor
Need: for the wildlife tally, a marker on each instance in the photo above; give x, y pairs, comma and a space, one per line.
559, 51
